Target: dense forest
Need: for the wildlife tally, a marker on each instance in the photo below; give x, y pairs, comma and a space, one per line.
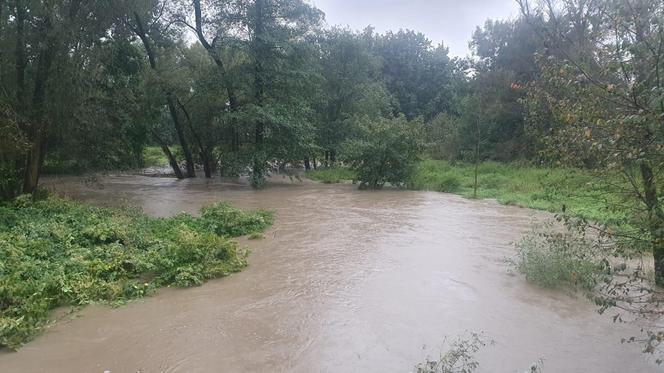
253, 87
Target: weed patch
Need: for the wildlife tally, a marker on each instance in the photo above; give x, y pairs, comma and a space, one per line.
61, 253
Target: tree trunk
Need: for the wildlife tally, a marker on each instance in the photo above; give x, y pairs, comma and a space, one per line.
21, 61
212, 52
171, 158
38, 126
191, 172
333, 157
139, 30
655, 220
35, 159
477, 156
207, 165
258, 176
2, 22
216, 57
172, 161
235, 143
203, 150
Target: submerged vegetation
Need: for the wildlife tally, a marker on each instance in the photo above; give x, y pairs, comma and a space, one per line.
458, 358
57, 252
561, 260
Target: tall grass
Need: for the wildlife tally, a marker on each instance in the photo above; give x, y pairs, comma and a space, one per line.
568, 259
552, 189
331, 175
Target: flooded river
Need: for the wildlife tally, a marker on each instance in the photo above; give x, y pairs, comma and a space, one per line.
345, 281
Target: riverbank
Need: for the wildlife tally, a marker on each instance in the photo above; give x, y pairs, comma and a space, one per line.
576, 192
57, 252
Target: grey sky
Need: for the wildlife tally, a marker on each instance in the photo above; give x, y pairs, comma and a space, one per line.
449, 21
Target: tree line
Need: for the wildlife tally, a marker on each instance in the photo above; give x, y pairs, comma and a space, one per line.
235, 84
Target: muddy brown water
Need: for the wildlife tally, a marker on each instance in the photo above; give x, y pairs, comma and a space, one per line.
345, 281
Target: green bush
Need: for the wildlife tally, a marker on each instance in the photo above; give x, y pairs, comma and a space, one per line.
225, 220
62, 253
385, 152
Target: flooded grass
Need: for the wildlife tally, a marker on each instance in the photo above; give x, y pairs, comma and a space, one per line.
57, 253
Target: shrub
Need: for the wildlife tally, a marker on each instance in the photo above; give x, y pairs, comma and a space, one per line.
385, 151
554, 259
225, 220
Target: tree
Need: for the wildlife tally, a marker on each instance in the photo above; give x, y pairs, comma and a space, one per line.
352, 88
419, 75
144, 19
609, 97
62, 35
270, 43
504, 64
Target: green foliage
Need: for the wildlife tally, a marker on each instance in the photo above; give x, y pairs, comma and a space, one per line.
385, 152
225, 220
12, 145
420, 75
62, 253
602, 95
443, 137
153, 156
332, 175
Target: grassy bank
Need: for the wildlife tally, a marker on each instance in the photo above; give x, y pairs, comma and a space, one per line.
331, 175
512, 184
153, 156
62, 253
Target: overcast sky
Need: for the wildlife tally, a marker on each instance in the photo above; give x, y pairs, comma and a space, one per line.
449, 21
